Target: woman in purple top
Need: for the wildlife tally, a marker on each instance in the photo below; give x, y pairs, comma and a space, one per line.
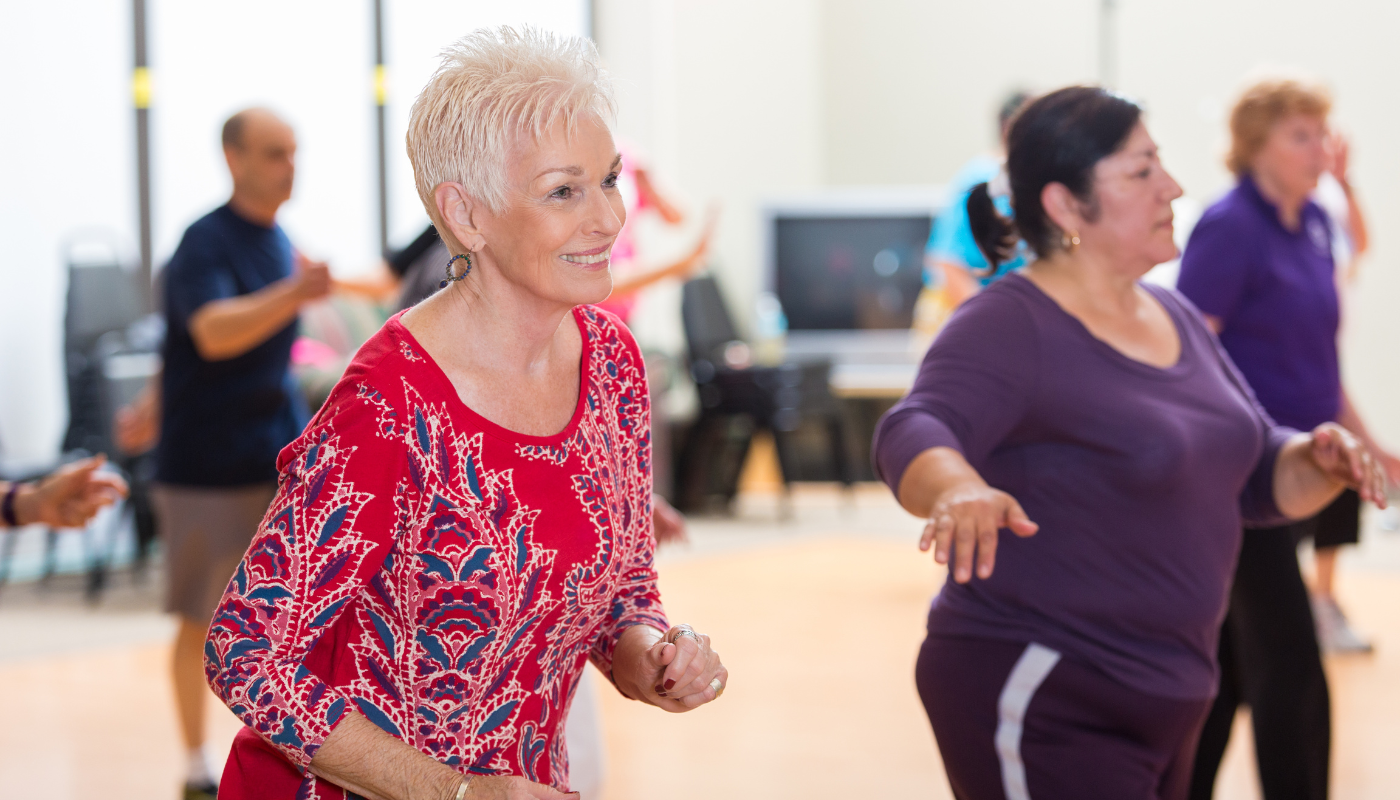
1259, 266
1084, 434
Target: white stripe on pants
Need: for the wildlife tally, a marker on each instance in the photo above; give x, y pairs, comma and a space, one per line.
1031, 670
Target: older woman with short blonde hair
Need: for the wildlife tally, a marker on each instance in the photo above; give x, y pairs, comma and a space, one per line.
467, 520
1260, 266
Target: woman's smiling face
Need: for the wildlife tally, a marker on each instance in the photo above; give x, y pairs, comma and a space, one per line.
563, 214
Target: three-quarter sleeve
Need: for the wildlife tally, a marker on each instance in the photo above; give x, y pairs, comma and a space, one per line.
324, 537
637, 600
974, 386
1217, 263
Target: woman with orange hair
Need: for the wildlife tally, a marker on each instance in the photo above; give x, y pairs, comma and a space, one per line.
1259, 265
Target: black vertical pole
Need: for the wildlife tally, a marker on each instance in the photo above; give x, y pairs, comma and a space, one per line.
141, 98
380, 93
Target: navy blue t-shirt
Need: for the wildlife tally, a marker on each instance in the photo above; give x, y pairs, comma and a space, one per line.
224, 422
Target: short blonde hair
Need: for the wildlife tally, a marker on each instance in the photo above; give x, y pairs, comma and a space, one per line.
1263, 105
492, 87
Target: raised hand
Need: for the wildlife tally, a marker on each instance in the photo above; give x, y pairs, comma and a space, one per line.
1340, 156
970, 515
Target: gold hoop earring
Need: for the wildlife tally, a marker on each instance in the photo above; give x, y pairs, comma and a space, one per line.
1069, 241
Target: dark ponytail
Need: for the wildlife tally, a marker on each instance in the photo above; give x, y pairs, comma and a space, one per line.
994, 234
1056, 138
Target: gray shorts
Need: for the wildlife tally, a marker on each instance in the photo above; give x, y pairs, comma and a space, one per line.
205, 532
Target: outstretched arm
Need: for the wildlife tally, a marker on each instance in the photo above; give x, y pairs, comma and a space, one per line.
228, 328
940, 486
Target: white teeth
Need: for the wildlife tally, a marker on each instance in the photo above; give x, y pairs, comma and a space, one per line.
598, 259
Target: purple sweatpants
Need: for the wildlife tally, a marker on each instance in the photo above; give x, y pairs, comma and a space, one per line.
1019, 722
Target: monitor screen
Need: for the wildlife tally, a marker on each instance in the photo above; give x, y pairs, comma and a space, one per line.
849, 272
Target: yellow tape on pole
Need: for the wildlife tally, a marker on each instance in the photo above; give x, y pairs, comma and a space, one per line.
381, 85
141, 87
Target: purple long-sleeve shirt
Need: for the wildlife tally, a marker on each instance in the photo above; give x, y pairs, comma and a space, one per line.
1139, 477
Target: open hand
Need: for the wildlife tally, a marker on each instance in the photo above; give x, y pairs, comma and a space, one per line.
1344, 459
970, 515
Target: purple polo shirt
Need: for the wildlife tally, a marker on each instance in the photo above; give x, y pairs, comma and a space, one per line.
1275, 290
1139, 478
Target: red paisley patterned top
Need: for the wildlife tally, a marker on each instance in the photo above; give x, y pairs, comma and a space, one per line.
444, 576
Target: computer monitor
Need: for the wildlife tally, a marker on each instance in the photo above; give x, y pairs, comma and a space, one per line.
850, 260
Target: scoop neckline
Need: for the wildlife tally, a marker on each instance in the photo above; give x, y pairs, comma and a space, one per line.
1176, 371
495, 429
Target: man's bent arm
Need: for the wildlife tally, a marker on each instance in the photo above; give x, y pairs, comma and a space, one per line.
228, 328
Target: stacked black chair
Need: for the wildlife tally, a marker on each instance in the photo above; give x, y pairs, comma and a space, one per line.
738, 399
111, 347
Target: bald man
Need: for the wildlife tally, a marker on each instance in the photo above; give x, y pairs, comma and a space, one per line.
233, 290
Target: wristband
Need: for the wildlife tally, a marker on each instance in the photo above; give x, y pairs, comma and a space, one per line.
7, 508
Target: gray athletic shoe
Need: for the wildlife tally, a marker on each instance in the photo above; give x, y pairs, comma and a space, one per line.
1334, 632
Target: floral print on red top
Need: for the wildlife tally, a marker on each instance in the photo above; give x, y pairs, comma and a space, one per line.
441, 575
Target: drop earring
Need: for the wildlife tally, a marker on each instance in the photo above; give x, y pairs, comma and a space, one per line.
451, 278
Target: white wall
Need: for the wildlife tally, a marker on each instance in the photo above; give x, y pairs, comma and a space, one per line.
65, 171
911, 88
725, 99
730, 100
743, 100
67, 163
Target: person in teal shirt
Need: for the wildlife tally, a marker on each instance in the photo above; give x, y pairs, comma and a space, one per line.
954, 262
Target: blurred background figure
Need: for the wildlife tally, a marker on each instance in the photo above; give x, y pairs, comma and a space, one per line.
1260, 265
68, 497
954, 268
233, 290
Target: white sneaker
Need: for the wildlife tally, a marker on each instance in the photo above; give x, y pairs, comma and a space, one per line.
1334, 632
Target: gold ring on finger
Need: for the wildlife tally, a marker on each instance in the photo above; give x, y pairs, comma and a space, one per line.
718, 686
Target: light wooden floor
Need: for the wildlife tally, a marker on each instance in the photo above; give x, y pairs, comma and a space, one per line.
819, 623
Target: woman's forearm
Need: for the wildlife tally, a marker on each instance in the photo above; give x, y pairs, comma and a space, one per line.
930, 474
1301, 488
364, 759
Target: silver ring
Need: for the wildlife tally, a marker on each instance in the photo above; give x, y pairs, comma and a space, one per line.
685, 632
718, 686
